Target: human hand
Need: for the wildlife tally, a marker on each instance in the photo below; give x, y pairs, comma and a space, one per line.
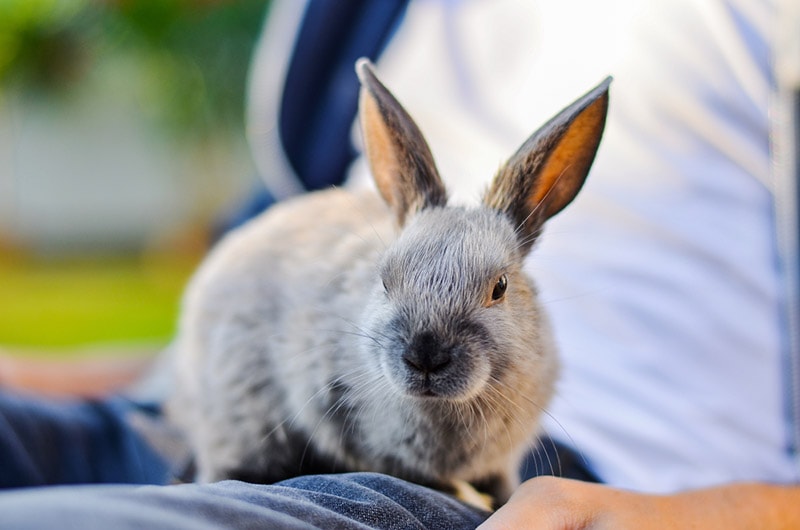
561, 504
556, 503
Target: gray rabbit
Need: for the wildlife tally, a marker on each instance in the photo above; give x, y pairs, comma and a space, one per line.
334, 333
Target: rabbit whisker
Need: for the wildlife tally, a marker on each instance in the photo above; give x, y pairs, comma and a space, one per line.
293, 418
331, 410
496, 398
555, 420
543, 200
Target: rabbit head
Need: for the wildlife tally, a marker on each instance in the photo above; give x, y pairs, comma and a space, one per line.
456, 311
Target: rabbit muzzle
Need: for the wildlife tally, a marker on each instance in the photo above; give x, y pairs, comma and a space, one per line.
427, 355
429, 365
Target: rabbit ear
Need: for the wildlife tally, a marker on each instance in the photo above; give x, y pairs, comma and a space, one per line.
399, 157
548, 170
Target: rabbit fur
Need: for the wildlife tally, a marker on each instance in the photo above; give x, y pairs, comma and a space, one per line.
386, 332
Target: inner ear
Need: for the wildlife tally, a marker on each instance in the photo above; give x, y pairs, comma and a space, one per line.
398, 155
548, 170
567, 165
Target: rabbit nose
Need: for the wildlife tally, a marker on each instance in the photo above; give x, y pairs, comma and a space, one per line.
426, 354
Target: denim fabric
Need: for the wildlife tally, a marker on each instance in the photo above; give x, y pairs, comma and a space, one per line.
72, 442
360, 500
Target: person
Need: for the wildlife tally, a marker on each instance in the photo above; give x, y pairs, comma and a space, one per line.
671, 281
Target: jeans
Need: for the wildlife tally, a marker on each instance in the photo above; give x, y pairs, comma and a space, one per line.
90, 446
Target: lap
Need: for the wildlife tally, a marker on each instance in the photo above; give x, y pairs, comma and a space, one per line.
356, 500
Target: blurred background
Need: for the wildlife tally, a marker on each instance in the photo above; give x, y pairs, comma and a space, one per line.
121, 143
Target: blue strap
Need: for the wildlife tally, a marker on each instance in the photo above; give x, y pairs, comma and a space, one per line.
794, 328
73, 442
320, 95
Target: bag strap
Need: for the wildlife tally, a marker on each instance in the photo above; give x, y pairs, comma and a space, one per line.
320, 94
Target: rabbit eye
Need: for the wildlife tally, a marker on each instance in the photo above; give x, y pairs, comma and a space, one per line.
500, 288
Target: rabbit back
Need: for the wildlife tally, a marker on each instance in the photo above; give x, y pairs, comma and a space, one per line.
266, 321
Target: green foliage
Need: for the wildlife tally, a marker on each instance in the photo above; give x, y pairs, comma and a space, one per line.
189, 59
184, 65
36, 41
90, 301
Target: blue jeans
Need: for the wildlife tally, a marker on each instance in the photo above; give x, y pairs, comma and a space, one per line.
359, 500
90, 446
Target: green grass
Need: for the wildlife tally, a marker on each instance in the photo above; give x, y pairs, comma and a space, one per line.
52, 305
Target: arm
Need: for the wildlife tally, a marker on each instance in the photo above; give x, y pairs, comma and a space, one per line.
87, 377
554, 503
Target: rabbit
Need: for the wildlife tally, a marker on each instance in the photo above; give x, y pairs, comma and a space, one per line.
382, 331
